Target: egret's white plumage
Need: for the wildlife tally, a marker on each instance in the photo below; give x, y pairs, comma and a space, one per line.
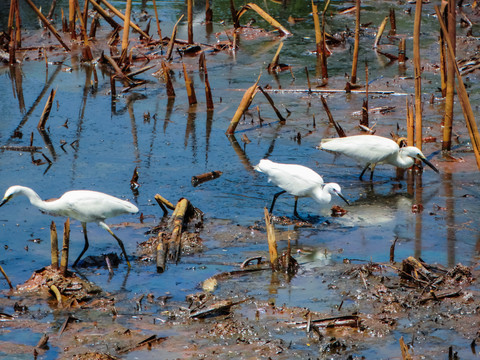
371, 150
299, 181
82, 205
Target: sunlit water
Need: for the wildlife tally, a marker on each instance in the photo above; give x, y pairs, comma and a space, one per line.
105, 141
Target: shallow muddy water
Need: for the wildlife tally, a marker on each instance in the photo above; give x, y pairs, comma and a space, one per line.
96, 143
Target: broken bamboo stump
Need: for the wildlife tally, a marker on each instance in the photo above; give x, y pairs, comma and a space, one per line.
65, 248
199, 179
177, 220
54, 245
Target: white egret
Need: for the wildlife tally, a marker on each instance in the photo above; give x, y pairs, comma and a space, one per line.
83, 205
299, 181
371, 150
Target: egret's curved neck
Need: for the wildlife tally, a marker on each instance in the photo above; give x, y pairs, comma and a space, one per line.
403, 160
34, 198
321, 195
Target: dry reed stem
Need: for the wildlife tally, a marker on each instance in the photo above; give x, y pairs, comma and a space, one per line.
401, 51
309, 85
380, 31
323, 48
121, 16
6, 277
168, 56
126, 31
192, 98
353, 77
244, 104
338, 128
190, 21
393, 23
272, 242
83, 24
274, 63
404, 348
58, 296
47, 24
178, 220
65, 248
71, 18
104, 14
364, 120
162, 251
159, 30
270, 100
450, 90
208, 12
410, 124
160, 199
463, 96
168, 80
46, 110
316, 24
208, 90
264, 15
417, 75
54, 245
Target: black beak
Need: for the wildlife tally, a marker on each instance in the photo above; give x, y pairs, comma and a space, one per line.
4, 201
342, 197
426, 162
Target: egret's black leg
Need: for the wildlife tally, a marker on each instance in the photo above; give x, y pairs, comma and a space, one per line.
105, 226
85, 248
275, 199
372, 168
363, 172
295, 208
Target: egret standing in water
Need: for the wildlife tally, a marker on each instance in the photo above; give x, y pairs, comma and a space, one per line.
299, 181
371, 150
83, 205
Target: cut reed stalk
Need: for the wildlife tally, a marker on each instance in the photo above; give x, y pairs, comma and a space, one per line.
264, 15
192, 98
47, 24
54, 245
450, 91
57, 294
401, 52
168, 80
6, 278
168, 56
308, 80
380, 31
18, 26
161, 200
270, 100
393, 23
190, 21
272, 242
162, 251
71, 18
410, 123
208, 12
126, 31
46, 110
417, 75
323, 44
244, 104
65, 248
159, 30
178, 220
316, 24
208, 90
353, 77
463, 96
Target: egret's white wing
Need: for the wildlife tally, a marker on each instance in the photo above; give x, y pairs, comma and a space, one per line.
368, 149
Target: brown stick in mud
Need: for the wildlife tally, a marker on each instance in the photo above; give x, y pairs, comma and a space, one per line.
54, 245
190, 21
270, 100
159, 31
162, 250
46, 110
450, 91
126, 32
272, 242
192, 98
199, 179
104, 14
65, 248
244, 104
6, 277
168, 55
463, 96
353, 77
418, 75
178, 217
